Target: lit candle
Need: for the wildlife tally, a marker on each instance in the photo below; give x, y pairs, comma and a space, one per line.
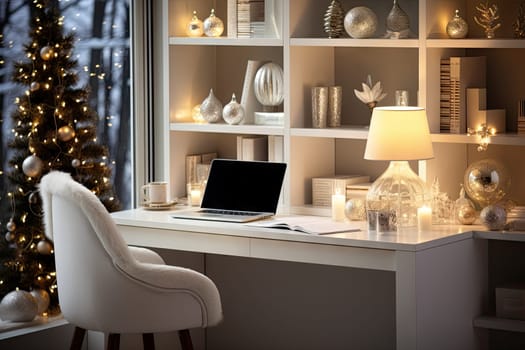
424, 218
195, 196
338, 207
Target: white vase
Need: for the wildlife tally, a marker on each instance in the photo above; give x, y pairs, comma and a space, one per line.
211, 108
269, 86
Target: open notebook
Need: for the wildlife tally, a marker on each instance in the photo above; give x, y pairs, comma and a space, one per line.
239, 191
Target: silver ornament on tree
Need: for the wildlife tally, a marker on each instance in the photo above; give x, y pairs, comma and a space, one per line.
32, 166
18, 306
75, 163
34, 86
11, 225
457, 28
46, 53
360, 22
494, 217
333, 19
233, 112
42, 300
397, 23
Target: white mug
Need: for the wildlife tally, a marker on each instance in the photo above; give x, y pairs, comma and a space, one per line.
155, 192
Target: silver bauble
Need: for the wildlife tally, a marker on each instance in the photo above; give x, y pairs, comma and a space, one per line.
355, 209
44, 247
233, 112
32, 166
213, 25
66, 133
494, 217
211, 108
11, 225
10, 237
457, 28
42, 299
75, 163
268, 85
34, 86
360, 22
486, 182
397, 19
18, 306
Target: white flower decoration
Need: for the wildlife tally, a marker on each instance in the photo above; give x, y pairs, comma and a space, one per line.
371, 94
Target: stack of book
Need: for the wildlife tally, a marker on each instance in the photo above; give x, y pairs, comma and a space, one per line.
521, 117
198, 167
463, 73
250, 18
324, 187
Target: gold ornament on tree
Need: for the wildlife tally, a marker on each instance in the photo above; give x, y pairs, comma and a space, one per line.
66, 133
46, 53
488, 17
333, 19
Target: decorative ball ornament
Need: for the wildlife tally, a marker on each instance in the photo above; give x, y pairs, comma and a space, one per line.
33, 197
75, 163
397, 20
196, 114
10, 237
44, 247
46, 53
466, 213
360, 22
66, 133
42, 300
457, 28
333, 19
233, 112
11, 225
211, 108
486, 182
269, 86
213, 25
18, 306
32, 166
355, 209
493, 217
34, 86
195, 28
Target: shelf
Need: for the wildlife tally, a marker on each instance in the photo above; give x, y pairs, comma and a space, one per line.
225, 41
15, 329
476, 43
343, 132
503, 324
501, 139
228, 129
347, 42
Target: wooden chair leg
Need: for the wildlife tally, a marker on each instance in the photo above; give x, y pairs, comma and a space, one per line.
78, 338
113, 341
185, 339
148, 341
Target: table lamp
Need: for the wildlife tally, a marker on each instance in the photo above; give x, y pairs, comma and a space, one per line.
397, 134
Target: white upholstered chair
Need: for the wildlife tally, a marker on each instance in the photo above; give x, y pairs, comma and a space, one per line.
106, 286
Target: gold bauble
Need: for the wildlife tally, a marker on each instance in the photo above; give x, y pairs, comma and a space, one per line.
44, 247
34, 86
66, 133
46, 53
195, 27
466, 215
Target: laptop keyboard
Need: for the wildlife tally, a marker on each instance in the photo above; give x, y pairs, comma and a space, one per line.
228, 212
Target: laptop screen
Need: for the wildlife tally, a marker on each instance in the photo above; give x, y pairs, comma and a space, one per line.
244, 185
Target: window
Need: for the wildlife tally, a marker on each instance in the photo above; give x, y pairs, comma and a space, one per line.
103, 52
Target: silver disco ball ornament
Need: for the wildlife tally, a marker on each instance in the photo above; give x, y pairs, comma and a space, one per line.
360, 22
486, 182
494, 217
18, 306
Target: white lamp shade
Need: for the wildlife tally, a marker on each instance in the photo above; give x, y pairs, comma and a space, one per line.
399, 133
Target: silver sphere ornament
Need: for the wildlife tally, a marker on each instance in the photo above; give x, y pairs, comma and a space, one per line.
360, 22
18, 306
42, 300
46, 53
233, 112
10, 237
44, 247
34, 86
66, 133
268, 86
75, 163
32, 166
457, 28
213, 25
494, 217
11, 225
486, 182
33, 197
355, 209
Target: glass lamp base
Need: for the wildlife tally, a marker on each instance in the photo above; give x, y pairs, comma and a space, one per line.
393, 199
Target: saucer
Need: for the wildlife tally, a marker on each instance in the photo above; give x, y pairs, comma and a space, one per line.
159, 206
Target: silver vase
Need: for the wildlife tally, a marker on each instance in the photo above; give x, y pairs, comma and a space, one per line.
211, 108
397, 21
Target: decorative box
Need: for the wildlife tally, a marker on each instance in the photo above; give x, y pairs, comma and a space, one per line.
510, 302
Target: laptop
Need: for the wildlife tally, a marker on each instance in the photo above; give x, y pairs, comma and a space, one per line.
239, 191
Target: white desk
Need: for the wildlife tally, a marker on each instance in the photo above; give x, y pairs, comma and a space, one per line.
440, 276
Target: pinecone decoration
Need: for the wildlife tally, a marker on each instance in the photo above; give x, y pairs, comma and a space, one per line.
519, 24
333, 19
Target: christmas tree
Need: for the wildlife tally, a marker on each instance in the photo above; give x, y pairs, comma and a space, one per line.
54, 129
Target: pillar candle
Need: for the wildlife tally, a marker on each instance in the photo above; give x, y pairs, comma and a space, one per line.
424, 218
338, 207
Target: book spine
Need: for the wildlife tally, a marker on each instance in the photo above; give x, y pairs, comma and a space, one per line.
275, 148
191, 167
232, 19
